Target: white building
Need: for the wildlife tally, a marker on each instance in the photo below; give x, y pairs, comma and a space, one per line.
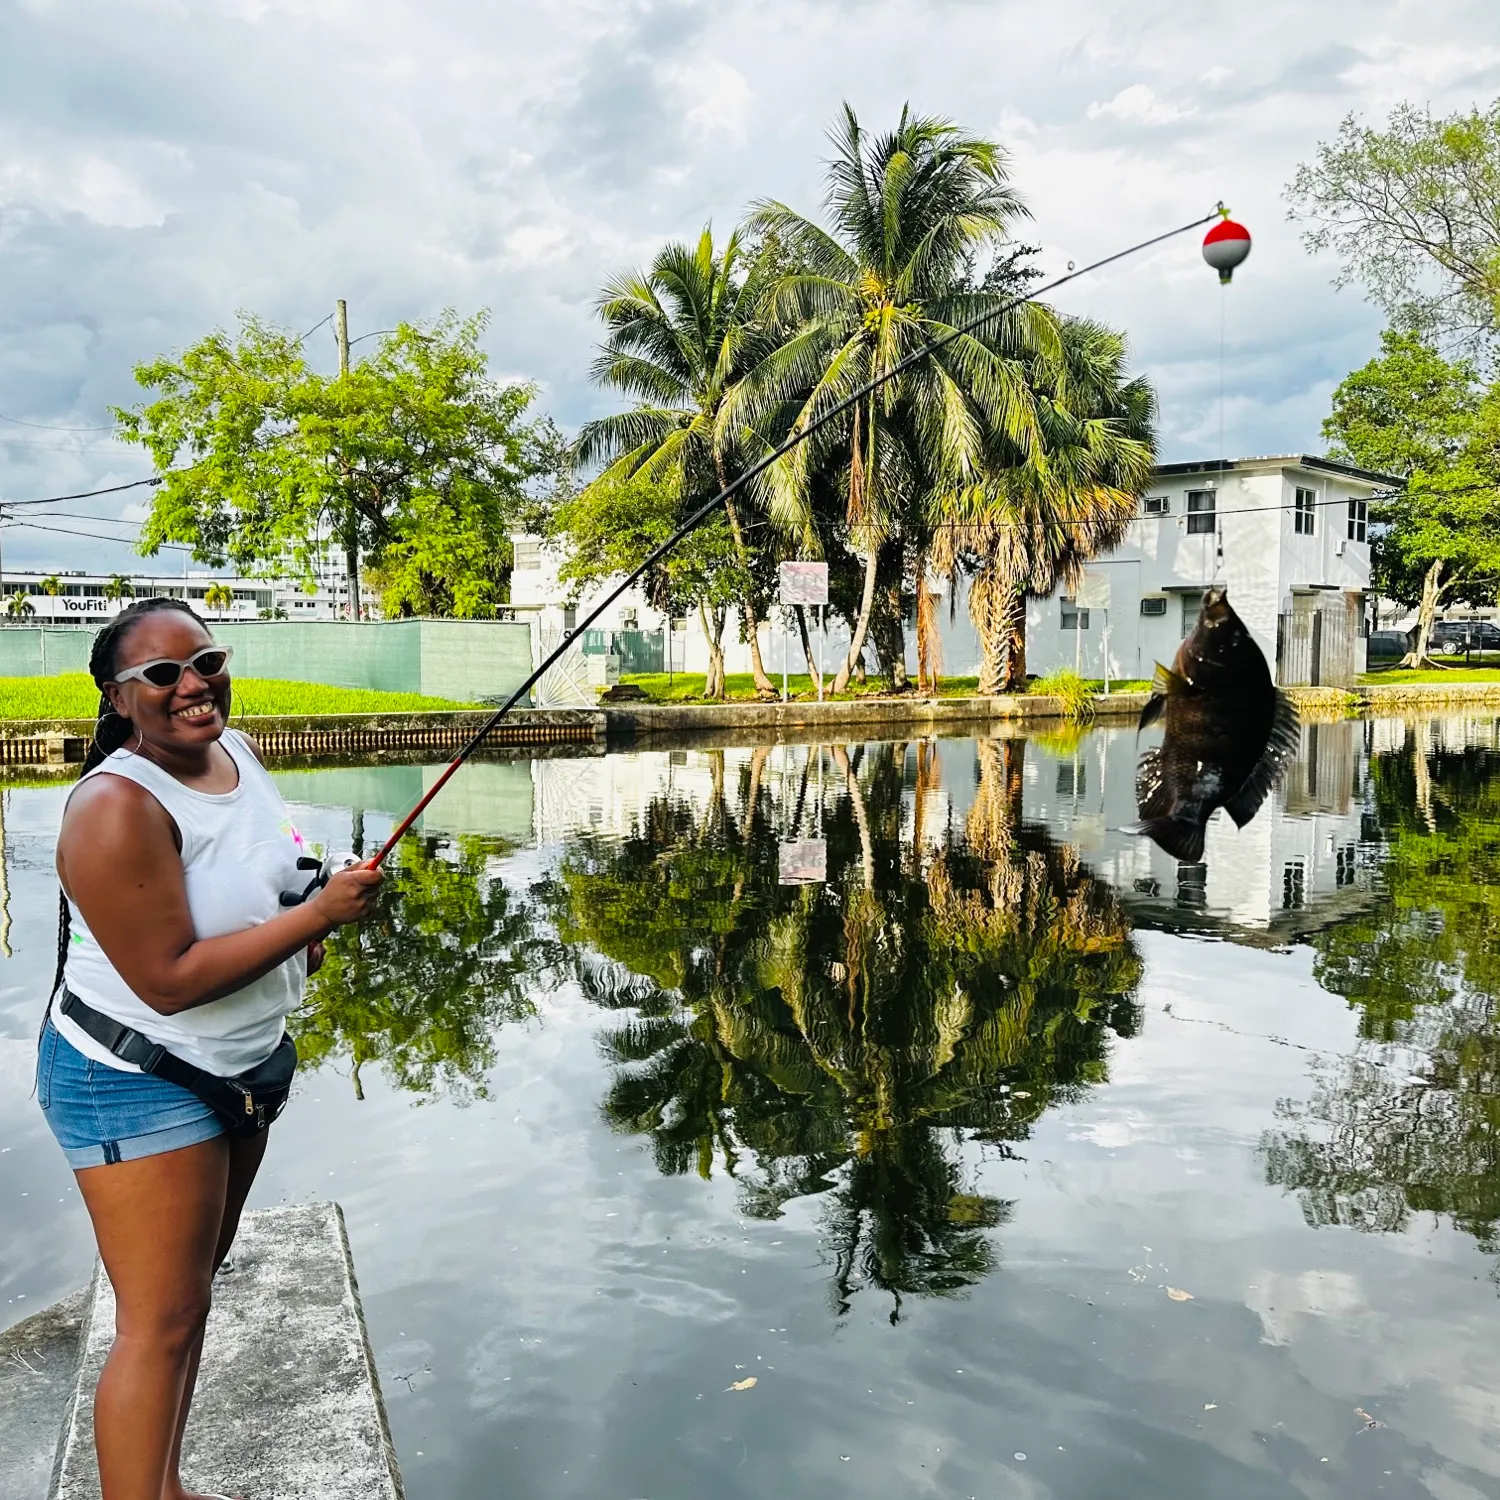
81, 598
1287, 534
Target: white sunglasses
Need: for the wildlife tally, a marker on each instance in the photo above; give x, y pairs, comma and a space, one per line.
165, 673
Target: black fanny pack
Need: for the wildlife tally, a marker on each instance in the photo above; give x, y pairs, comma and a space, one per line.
246, 1103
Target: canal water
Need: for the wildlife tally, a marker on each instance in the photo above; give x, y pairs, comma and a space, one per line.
885, 1120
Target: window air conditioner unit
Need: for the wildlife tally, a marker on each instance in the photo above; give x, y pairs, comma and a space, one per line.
1156, 505
1154, 606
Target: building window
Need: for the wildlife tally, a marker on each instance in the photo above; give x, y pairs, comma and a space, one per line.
1202, 505
570, 618
629, 620
1293, 885
1156, 606
528, 552
1359, 520
1156, 505
1305, 512
1192, 607
1072, 778
1073, 618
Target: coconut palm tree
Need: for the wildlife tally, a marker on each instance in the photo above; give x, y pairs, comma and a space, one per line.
118, 587
1044, 508
679, 337
51, 585
218, 597
19, 607
909, 213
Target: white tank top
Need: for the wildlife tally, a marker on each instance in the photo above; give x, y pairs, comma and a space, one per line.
239, 853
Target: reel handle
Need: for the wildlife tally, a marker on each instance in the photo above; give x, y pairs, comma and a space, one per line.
326, 868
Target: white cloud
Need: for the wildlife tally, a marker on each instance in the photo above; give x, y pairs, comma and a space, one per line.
156, 176
1138, 105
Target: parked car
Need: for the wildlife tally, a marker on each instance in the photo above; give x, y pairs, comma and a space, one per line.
1452, 636
1386, 647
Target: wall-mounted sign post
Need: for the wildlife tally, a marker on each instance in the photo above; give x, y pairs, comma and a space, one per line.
1093, 593
804, 583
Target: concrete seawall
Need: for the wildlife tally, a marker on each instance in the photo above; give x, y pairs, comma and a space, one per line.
63, 742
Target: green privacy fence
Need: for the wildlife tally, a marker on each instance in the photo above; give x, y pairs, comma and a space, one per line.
638, 650
468, 660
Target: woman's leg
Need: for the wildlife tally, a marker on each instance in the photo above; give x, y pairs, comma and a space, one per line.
158, 1221
245, 1154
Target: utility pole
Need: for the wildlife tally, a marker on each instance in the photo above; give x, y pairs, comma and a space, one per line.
351, 519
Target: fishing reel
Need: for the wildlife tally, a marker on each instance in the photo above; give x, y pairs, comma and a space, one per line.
326, 868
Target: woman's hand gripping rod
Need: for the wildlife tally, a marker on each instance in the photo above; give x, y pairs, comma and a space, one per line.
705, 510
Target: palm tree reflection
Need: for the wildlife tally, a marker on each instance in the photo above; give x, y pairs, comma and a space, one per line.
848, 1039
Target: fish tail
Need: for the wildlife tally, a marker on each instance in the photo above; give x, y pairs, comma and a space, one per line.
1179, 838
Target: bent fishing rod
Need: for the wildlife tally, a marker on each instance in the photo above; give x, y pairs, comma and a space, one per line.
704, 511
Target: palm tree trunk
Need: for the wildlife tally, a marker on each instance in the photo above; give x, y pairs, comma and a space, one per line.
862, 624
929, 635
807, 650
989, 600
1015, 642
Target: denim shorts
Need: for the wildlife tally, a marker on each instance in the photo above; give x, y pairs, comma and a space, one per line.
101, 1115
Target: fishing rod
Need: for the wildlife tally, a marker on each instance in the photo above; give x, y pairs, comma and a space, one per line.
708, 507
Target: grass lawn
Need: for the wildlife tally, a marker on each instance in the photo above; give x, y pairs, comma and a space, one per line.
72, 695
1455, 674
687, 687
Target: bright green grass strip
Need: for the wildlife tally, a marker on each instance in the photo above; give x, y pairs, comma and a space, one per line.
1443, 678
687, 687
72, 695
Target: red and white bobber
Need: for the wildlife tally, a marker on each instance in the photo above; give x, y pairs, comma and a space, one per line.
1226, 245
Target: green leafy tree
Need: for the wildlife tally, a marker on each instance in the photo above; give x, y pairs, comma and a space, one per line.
416, 461
423, 986
1413, 414
1413, 213
909, 213
612, 524
680, 336
19, 607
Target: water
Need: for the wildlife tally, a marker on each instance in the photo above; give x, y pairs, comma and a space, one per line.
1011, 1161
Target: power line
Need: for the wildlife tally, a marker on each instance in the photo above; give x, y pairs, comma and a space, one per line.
50, 427
94, 536
112, 489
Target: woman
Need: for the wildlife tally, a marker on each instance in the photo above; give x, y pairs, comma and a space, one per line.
174, 850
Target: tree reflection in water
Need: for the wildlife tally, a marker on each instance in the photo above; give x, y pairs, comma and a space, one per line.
847, 1039
1410, 1123
422, 986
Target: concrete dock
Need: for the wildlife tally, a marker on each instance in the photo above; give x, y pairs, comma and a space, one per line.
288, 1404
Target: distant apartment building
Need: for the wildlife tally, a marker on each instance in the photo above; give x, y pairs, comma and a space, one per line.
82, 598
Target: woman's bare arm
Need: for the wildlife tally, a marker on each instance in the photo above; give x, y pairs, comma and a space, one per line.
118, 859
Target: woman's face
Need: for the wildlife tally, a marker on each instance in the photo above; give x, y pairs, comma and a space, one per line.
195, 711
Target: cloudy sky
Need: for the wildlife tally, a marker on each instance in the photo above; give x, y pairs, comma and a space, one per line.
164, 163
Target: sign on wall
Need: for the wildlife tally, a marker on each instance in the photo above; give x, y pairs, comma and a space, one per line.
803, 583
1093, 591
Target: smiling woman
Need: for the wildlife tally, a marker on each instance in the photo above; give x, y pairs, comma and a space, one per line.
177, 967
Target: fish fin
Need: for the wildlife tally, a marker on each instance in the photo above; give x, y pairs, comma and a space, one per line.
1281, 749
1178, 837
1164, 683
1151, 798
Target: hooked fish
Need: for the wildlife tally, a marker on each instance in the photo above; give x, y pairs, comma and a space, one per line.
1230, 734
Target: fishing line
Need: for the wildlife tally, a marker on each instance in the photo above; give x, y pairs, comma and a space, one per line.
705, 510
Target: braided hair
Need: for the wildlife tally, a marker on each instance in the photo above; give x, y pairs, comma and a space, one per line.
112, 729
